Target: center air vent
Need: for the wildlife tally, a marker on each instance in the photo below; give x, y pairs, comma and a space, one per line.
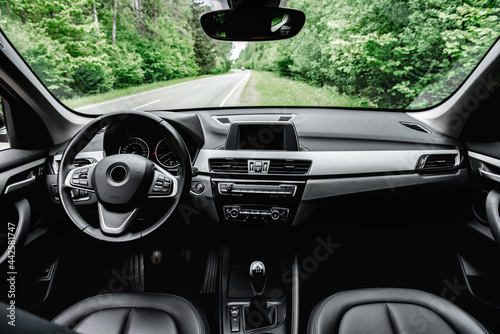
228, 165
289, 166
437, 162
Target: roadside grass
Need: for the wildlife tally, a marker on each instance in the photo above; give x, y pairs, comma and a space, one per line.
269, 89
114, 94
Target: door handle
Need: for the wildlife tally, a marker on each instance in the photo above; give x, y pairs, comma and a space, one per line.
21, 184
24, 217
492, 213
489, 175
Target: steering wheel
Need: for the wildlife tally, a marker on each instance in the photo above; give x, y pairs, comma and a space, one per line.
122, 183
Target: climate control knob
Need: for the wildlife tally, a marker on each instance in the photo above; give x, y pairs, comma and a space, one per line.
234, 213
275, 214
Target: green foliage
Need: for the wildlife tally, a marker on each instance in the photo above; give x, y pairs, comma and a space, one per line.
126, 65
395, 53
391, 53
92, 75
70, 44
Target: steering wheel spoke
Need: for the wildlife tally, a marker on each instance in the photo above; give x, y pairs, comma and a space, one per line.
164, 184
112, 222
81, 178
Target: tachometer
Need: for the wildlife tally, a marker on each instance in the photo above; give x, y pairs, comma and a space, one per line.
165, 156
135, 146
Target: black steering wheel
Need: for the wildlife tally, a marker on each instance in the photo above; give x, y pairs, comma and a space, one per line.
122, 183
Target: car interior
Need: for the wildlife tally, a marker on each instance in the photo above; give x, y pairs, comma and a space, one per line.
272, 220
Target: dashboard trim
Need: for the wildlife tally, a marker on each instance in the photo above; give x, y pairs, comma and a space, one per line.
332, 163
324, 188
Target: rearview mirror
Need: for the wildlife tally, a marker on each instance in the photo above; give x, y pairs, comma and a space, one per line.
253, 24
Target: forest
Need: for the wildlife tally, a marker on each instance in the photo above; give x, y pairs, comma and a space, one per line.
83, 47
394, 53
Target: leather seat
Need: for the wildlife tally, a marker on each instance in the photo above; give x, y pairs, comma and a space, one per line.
390, 311
134, 313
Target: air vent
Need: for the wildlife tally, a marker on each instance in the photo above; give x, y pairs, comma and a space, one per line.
76, 163
415, 126
437, 162
223, 120
81, 162
228, 165
102, 130
288, 166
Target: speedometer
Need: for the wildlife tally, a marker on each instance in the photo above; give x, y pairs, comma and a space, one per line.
135, 146
165, 156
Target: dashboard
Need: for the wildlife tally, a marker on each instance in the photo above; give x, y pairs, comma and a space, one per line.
274, 166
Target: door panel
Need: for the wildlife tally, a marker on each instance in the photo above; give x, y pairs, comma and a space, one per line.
22, 202
480, 258
17, 185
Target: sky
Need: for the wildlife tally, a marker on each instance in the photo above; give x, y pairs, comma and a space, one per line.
237, 48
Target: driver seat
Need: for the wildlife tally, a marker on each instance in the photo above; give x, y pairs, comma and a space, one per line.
126, 313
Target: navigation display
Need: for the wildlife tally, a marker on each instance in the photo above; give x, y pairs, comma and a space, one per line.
276, 136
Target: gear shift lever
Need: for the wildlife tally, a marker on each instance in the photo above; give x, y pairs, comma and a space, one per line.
258, 278
258, 314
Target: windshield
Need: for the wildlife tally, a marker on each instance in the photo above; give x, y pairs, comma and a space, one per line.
98, 56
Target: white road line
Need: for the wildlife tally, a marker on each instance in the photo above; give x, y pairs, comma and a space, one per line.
147, 104
229, 95
197, 86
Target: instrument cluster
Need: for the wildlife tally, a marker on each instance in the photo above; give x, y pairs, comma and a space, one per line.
141, 139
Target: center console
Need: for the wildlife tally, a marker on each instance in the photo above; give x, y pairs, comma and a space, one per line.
256, 201
258, 188
258, 289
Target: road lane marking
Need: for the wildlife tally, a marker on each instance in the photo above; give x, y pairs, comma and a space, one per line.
147, 104
197, 86
231, 93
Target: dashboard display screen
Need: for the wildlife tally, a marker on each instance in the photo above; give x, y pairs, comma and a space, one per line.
253, 137
276, 136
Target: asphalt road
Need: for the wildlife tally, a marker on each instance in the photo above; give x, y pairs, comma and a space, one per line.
216, 91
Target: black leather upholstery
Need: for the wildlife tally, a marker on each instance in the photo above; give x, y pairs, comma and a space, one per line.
390, 311
134, 313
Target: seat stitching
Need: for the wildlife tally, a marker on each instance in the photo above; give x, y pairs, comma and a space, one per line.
128, 321
392, 320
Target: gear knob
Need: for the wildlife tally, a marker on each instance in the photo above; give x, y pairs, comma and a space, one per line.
257, 270
258, 277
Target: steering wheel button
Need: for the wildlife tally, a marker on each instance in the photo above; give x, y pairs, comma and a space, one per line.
84, 170
159, 183
84, 183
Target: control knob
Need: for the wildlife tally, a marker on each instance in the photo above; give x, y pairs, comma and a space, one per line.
234, 212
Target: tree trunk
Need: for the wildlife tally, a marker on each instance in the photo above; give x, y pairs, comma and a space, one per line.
139, 12
138, 16
96, 20
156, 14
115, 19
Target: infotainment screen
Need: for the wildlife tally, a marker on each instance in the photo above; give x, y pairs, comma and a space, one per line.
277, 136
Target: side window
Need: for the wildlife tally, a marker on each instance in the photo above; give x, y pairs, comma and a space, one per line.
4, 139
